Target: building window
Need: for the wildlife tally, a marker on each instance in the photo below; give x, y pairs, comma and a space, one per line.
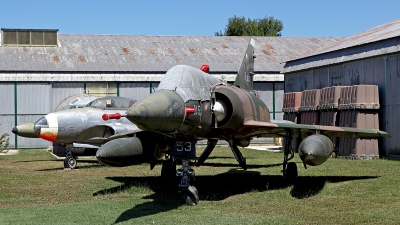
29, 37
101, 89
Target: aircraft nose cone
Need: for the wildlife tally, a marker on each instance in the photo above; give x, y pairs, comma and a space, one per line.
137, 112
162, 111
15, 130
25, 130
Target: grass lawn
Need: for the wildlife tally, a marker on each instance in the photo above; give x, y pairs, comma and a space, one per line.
35, 189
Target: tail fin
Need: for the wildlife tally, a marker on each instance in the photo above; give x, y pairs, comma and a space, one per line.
244, 78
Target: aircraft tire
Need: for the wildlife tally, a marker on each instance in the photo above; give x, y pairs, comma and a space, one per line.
70, 162
190, 197
291, 173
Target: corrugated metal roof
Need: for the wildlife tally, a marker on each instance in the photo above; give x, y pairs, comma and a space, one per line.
121, 53
379, 40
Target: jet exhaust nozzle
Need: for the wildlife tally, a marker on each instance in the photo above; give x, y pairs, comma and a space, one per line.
121, 152
315, 149
219, 110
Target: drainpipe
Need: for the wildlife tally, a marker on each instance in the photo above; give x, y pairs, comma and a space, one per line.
151, 87
15, 113
273, 100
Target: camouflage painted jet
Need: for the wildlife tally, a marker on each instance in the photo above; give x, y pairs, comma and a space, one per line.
81, 131
191, 105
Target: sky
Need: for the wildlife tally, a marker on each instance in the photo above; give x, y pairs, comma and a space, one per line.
301, 18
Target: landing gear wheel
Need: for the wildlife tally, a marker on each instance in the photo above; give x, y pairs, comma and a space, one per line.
291, 173
191, 196
70, 162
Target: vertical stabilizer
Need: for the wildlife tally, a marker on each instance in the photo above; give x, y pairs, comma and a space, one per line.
244, 78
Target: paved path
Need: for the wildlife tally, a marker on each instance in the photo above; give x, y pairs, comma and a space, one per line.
10, 152
272, 148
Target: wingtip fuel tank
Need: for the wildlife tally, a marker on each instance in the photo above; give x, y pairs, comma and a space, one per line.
315, 149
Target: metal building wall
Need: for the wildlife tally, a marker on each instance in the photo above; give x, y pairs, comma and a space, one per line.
279, 93
32, 103
61, 91
383, 71
136, 90
272, 96
33, 98
7, 109
319, 80
392, 101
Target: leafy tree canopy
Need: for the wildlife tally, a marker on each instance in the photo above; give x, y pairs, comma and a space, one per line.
240, 26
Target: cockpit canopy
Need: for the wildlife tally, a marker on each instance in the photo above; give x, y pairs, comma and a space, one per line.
75, 101
111, 102
188, 82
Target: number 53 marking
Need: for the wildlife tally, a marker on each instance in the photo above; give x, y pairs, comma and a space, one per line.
184, 146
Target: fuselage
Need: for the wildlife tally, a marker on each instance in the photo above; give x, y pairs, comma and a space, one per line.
80, 126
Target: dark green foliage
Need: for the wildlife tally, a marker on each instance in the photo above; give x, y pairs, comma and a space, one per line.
240, 26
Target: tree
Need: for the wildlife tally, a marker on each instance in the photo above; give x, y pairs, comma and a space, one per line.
240, 26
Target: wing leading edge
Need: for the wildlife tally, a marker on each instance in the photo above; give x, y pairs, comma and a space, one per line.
271, 129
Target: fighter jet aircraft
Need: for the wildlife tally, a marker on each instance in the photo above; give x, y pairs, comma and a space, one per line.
191, 104
81, 131
73, 101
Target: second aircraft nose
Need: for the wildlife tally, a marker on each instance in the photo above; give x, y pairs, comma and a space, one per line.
25, 130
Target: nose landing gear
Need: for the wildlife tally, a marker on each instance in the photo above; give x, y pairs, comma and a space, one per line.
185, 150
70, 159
190, 195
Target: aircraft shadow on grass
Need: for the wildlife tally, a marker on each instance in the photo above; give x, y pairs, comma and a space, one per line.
56, 160
252, 166
215, 188
94, 165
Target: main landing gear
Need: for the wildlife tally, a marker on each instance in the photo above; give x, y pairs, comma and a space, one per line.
289, 168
